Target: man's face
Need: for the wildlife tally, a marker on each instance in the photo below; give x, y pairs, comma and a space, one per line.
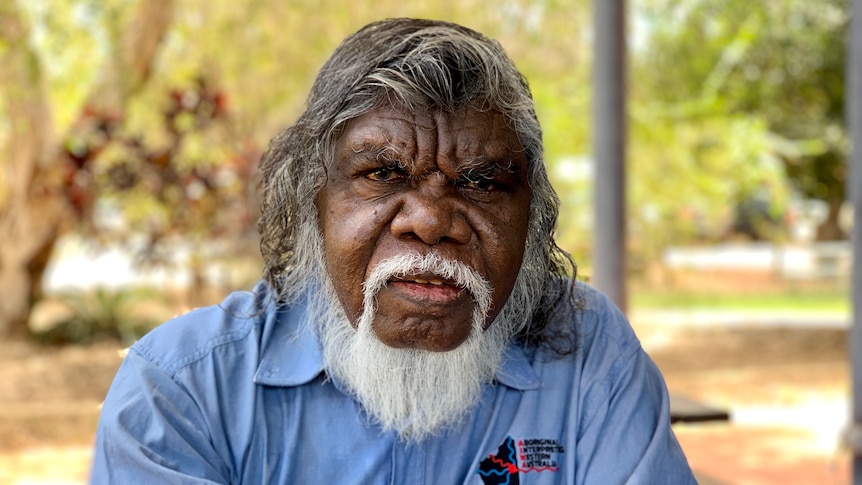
405, 183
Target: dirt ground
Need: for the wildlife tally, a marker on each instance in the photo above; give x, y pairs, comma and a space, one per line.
49, 407
786, 390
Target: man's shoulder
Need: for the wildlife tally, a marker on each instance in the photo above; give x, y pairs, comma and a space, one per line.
194, 335
593, 319
601, 313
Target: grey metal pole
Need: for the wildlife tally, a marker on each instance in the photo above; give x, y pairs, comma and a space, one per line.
609, 149
854, 105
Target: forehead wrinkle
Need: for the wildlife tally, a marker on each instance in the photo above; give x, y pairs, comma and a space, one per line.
487, 143
382, 129
386, 151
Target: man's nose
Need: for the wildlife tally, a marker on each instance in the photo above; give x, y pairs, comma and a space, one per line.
431, 214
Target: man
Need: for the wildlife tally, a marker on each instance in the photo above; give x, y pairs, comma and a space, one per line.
416, 322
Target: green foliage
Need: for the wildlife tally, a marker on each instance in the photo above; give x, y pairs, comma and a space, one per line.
72, 40
690, 176
715, 66
120, 314
787, 300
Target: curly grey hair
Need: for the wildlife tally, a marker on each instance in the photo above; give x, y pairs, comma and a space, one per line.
414, 65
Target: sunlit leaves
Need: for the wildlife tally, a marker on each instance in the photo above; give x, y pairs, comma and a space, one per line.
749, 85
73, 39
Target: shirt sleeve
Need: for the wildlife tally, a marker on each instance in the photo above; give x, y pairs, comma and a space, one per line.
626, 438
152, 431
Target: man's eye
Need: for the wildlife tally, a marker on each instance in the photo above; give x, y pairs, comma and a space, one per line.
483, 184
383, 175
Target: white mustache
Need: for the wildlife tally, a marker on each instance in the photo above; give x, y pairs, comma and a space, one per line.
448, 269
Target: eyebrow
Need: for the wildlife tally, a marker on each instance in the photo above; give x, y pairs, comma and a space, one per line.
480, 165
372, 148
486, 165
386, 152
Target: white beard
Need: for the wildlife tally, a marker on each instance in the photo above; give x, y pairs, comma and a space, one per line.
414, 392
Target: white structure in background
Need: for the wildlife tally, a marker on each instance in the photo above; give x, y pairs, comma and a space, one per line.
809, 261
79, 264
801, 258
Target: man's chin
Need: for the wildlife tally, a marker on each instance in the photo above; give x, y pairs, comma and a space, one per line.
415, 393
424, 345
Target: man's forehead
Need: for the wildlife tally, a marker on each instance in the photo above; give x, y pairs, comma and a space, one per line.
469, 133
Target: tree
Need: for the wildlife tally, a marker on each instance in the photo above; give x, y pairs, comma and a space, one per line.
779, 65
37, 195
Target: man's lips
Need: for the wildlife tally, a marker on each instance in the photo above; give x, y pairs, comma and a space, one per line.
427, 289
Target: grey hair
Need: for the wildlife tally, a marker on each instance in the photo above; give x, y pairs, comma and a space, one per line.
413, 65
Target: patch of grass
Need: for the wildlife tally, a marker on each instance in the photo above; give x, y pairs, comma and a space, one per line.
103, 313
821, 301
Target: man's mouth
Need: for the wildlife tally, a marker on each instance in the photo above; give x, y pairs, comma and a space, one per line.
422, 281
427, 288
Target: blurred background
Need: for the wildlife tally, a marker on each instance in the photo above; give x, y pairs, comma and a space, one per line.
130, 132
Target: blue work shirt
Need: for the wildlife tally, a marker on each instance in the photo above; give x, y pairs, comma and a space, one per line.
237, 393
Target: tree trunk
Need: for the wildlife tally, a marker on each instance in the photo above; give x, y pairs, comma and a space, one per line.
34, 207
30, 212
830, 228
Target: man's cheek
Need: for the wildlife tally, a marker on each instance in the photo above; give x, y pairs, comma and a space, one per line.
345, 275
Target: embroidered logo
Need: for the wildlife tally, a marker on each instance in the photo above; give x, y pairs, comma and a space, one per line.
522, 456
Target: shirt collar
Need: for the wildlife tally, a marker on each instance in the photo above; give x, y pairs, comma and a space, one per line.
516, 371
291, 353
